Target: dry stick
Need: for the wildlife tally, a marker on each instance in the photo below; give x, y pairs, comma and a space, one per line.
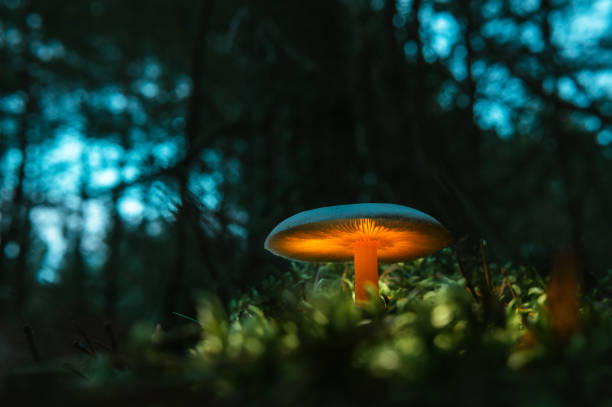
467, 280
86, 338
27, 329
516, 304
111, 335
485, 266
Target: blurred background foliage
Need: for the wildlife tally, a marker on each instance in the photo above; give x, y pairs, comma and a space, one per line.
148, 147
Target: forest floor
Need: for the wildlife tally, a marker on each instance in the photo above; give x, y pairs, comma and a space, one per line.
510, 337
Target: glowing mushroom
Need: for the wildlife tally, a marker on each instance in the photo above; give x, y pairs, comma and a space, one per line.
364, 233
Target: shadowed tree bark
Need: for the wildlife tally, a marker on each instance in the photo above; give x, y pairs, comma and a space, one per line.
474, 133
434, 185
21, 213
113, 264
20, 224
193, 128
114, 261
566, 150
80, 303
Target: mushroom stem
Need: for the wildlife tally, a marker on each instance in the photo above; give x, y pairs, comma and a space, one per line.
366, 269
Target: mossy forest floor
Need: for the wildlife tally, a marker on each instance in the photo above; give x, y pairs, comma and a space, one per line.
298, 339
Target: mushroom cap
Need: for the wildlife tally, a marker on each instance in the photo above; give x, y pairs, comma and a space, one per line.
329, 234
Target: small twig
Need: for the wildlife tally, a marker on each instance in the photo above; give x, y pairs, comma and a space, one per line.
77, 344
485, 265
509, 285
111, 335
27, 329
86, 338
188, 318
468, 283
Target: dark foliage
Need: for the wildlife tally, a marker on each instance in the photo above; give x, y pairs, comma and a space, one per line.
299, 340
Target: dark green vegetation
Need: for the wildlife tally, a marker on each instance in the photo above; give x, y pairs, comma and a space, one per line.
298, 339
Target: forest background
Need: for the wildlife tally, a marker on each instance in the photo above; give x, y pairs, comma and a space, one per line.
148, 147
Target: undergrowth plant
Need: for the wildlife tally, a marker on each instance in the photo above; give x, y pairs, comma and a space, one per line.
299, 339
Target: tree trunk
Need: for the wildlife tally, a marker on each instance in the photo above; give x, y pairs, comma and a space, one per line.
473, 131
192, 131
565, 152
112, 264
20, 222
80, 267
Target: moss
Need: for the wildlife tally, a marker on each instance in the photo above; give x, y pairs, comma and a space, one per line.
299, 339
